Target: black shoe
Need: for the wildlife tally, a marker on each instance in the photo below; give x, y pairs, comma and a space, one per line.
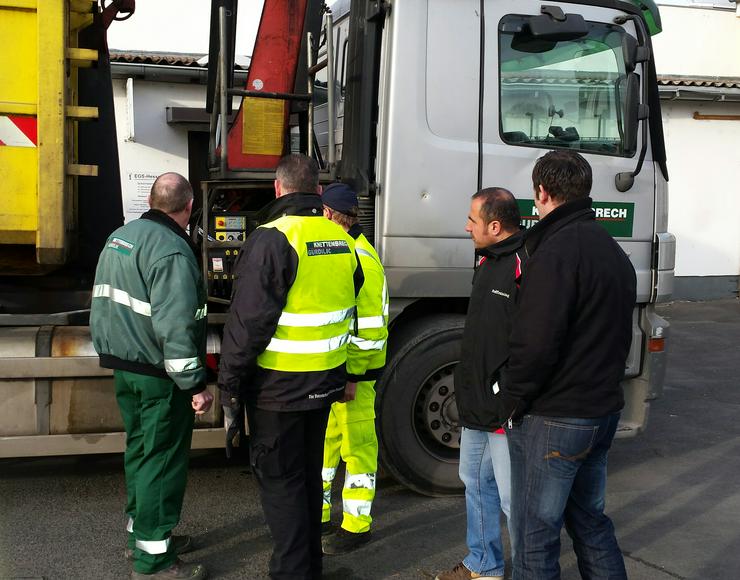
343, 541
180, 544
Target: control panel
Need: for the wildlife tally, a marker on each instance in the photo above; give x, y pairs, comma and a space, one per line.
221, 266
230, 226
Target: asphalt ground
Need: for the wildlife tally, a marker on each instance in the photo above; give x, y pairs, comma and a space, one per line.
673, 493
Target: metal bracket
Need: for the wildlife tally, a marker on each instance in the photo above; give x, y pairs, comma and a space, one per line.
554, 12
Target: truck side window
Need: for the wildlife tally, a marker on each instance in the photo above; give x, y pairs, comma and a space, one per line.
567, 94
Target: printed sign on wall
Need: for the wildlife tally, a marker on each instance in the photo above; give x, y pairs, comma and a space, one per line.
136, 190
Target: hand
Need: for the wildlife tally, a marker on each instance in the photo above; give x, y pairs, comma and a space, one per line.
202, 402
234, 424
350, 392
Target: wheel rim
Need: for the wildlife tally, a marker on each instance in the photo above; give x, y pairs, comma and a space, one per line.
436, 420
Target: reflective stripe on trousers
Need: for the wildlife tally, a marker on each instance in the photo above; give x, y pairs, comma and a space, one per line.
153, 546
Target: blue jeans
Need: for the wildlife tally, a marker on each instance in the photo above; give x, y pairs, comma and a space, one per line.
558, 471
486, 473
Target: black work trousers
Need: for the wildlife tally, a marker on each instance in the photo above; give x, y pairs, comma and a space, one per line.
286, 450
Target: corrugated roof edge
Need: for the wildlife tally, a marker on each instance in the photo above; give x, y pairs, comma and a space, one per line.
160, 58
699, 81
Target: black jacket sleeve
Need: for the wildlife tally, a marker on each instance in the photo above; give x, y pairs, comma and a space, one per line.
547, 301
265, 272
358, 277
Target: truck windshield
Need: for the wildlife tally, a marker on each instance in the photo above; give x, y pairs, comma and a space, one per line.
562, 93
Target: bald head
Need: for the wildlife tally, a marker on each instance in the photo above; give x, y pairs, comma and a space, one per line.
171, 193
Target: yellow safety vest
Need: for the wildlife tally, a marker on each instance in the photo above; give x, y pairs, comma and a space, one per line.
313, 329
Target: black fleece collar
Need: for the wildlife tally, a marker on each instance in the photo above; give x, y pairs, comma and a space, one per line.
576, 210
504, 247
162, 218
296, 203
355, 231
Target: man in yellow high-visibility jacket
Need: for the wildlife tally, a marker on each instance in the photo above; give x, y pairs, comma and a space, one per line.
350, 434
283, 355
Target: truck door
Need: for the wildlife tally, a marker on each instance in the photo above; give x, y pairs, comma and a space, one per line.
567, 90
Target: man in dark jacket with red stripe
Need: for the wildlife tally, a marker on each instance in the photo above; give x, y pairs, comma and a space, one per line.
493, 224
568, 349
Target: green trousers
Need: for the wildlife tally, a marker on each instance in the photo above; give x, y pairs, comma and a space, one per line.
351, 437
158, 417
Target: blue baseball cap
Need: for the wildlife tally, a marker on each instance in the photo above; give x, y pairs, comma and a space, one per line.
340, 197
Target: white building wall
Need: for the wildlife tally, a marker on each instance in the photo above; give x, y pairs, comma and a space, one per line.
702, 154
157, 147
704, 206
698, 42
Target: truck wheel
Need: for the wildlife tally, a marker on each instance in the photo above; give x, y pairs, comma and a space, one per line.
418, 428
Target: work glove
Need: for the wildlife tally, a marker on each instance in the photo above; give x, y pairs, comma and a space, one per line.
234, 423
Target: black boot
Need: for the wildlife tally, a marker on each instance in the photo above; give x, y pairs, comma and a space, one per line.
343, 541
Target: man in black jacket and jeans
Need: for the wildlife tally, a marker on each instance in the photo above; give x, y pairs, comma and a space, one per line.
568, 349
493, 224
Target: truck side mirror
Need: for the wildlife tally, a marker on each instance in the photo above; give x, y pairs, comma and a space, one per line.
631, 112
629, 52
633, 53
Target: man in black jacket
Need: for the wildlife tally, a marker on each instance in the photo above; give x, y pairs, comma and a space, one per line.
493, 224
284, 352
568, 349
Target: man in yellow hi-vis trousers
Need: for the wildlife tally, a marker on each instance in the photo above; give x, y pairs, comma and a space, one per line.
350, 433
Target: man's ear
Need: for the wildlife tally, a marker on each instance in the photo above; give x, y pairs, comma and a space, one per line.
494, 227
278, 188
542, 194
319, 189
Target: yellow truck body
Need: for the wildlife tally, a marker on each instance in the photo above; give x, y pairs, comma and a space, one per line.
38, 115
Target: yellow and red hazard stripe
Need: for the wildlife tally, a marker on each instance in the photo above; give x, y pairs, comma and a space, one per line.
18, 131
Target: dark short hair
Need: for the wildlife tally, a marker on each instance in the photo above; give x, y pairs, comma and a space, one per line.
565, 175
500, 205
170, 193
297, 172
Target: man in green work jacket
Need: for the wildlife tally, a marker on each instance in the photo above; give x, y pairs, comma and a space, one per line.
148, 323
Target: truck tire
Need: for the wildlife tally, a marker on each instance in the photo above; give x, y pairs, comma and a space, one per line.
418, 431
